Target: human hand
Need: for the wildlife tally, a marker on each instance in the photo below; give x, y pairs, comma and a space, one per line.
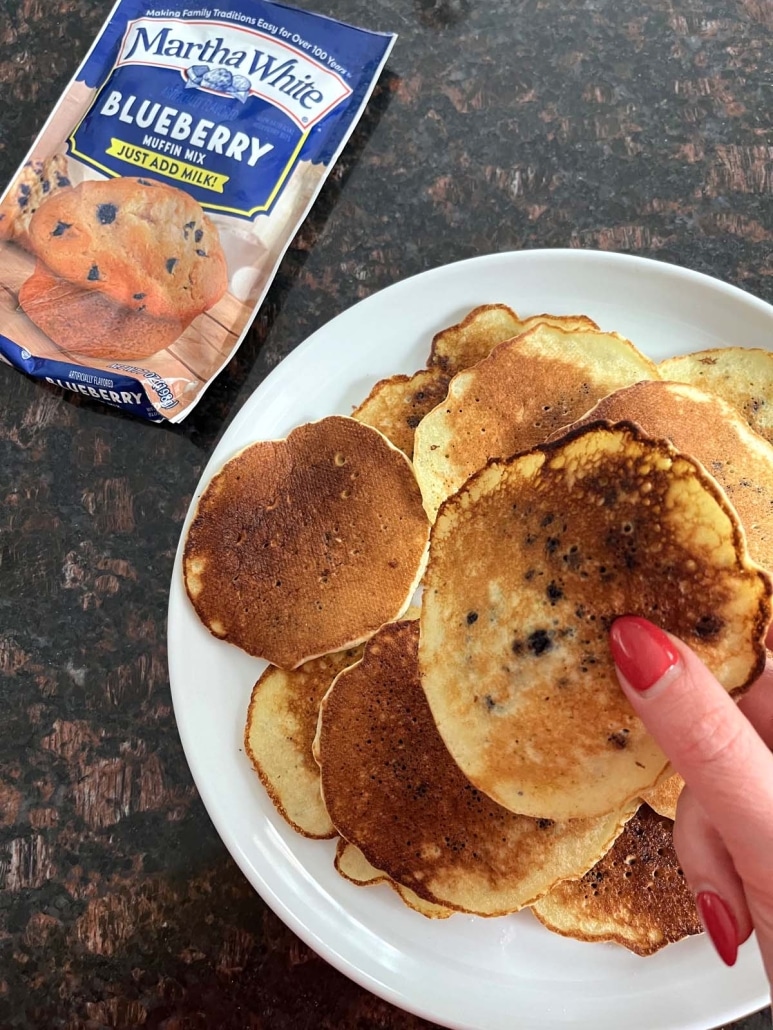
723, 832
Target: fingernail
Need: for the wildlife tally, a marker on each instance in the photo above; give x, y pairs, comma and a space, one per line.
642, 652
720, 925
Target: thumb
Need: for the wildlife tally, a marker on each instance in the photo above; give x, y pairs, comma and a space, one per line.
726, 765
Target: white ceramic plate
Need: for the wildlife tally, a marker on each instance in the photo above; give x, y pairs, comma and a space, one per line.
466, 972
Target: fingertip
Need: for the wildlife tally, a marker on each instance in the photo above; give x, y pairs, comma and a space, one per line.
720, 924
642, 652
707, 863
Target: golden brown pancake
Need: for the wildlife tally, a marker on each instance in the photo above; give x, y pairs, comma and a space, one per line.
308, 545
392, 789
663, 798
742, 376
707, 428
395, 406
466, 343
354, 866
530, 563
515, 398
281, 723
636, 895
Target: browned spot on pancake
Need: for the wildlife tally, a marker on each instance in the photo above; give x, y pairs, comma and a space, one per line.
636, 895
742, 376
465, 343
664, 797
707, 428
469, 341
396, 406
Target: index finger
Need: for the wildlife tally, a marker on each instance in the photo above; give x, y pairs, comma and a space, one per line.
706, 737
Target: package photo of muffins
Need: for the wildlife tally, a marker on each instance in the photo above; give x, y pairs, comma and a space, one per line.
146, 224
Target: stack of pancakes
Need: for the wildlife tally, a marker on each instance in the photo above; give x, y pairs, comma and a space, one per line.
539, 478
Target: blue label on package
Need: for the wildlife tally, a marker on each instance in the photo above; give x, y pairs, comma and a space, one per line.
205, 101
242, 111
117, 390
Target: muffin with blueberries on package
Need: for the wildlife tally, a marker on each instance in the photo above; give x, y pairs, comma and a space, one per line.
145, 226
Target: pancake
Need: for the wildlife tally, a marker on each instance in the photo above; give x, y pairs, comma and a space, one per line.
742, 376
395, 406
707, 428
281, 723
466, 343
354, 866
664, 797
530, 563
392, 789
636, 896
526, 389
308, 545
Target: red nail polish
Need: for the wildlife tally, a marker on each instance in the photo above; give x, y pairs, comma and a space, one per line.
720, 925
641, 651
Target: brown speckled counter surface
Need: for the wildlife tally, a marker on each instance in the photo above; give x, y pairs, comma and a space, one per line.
641, 126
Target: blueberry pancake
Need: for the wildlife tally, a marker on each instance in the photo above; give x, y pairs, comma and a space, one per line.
530, 563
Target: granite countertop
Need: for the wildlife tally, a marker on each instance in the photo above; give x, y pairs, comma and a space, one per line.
641, 127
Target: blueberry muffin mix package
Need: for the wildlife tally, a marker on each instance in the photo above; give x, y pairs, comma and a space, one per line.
146, 224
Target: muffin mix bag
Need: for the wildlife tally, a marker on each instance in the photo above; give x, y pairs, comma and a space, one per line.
143, 230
